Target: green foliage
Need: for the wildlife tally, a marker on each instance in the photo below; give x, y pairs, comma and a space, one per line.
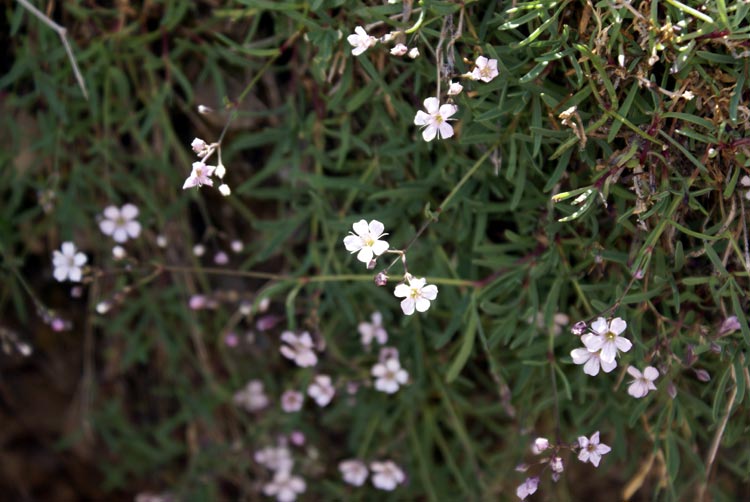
598, 175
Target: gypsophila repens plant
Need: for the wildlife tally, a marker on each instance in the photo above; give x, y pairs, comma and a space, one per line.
368, 250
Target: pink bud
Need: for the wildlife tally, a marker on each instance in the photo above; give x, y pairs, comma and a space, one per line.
578, 328
702, 375
381, 279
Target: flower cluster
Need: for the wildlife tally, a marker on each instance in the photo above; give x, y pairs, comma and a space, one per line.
300, 349
252, 397
386, 475
202, 172
601, 346
284, 485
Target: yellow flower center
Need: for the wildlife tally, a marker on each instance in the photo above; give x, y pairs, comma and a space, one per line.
610, 336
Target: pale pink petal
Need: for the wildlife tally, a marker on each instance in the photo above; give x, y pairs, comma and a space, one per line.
446, 130
111, 212
634, 372
447, 110
580, 356
600, 326
637, 390
608, 352
80, 259
133, 229
592, 342
429, 133
422, 118
60, 273
289, 337
608, 366
592, 366
651, 373
107, 227
129, 211
623, 343
417, 282
617, 326
432, 105
430, 292
68, 248
120, 235
74, 274
407, 305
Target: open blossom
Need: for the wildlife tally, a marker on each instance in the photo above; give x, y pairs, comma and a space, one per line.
606, 338
120, 223
68, 263
299, 349
252, 397
373, 331
389, 376
386, 475
643, 382
354, 472
276, 458
417, 294
591, 449
591, 361
321, 390
365, 240
527, 488
435, 121
292, 401
201, 175
284, 486
360, 41
484, 69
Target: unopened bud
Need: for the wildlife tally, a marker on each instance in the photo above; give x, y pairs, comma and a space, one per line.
371, 264
579, 328
381, 279
702, 375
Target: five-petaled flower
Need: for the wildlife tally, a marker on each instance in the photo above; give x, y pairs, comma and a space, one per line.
201, 175
386, 475
354, 472
436, 119
389, 375
300, 349
484, 69
285, 486
365, 240
120, 223
606, 338
292, 401
643, 382
252, 397
591, 449
417, 294
360, 41
321, 390
373, 331
68, 263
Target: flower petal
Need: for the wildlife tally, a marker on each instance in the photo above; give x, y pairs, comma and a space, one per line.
430, 292
379, 247
376, 228
617, 326
407, 306
580, 356
651, 373
429, 133
446, 130
402, 290
360, 227
623, 343
353, 243
423, 304
634, 372
592, 366
447, 110
129, 211
432, 105
365, 254
600, 326
422, 119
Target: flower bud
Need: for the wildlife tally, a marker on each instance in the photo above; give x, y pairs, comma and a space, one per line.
702, 375
381, 279
579, 328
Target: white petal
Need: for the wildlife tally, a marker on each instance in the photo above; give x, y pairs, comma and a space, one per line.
68, 248
80, 259
623, 343
361, 227
429, 133
365, 255
607, 366
417, 282
402, 290
361, 31
422, 118
133, 228
592, 342
190, 182
617, 326
74, 274
446, 130
600, 326
637, 390
592, 366
580, 356
447, 110
289, 337
608, 353
423, 304
634, 372
430, 292
379, 247
407, 305
60, 273
120, 235
107, 227
129, 211
481, 62
651, 373
353, 243
111, 213
376, 228
432, 105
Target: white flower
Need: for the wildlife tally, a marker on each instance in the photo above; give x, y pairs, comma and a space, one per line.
275, 458
291, 401
591, 361
120, 223
374, 330
455, 88
225, 190
607, 338
399, 50
252, 397
527, 488
68, 262
299, 349
389, 375
591, 449
386, 475
413, 53
416, 294
201, 175
285, 487
360, 40
643, 383
436, 119
540, 444
365, 240
485, 69
321, 390
354, 472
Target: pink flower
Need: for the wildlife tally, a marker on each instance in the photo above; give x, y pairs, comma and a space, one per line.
386, 475
285, 486
360, 41
292, 401
321, 390
540, 444
591, 449
299, 349
643, 382
485, 69
354, 472
374, 330
201, 175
